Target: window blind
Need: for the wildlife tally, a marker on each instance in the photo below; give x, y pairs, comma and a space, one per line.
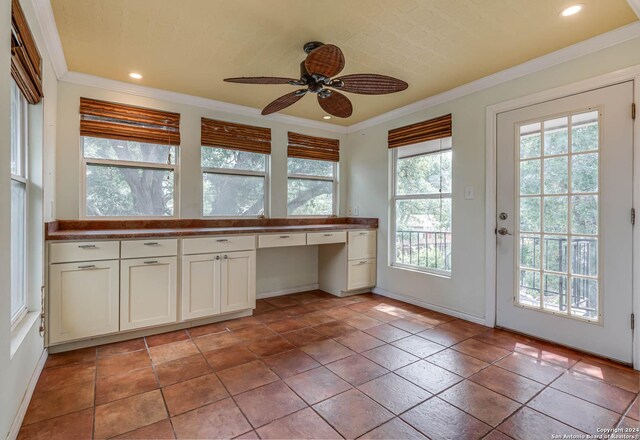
26, 63
432, 129
302, 146
130, 123
233, 136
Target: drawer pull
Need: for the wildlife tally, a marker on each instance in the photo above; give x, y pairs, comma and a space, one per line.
285, 236
87, 266
87, 246
363, 262
151, 243
222, 240
151, 262
328, 235
364, 233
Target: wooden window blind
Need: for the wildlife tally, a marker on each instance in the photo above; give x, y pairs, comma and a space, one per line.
302, 146
26, 63
232, 136
432, 129
126, 122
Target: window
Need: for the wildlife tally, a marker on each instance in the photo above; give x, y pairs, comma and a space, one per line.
129, 160
235, 163
234, 182
421, 205
19, 196
312, 175
128, 179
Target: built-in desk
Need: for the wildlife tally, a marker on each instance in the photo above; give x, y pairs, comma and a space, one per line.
114, 280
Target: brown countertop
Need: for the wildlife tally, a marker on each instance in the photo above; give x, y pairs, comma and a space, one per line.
123, 229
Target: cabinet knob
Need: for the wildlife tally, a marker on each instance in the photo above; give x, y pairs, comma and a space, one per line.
226, 257
217, 257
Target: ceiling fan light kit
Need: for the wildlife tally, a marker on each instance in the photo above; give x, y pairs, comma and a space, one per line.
317, 71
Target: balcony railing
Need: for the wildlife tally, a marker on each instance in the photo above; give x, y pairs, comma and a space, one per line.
427, 249
584, 261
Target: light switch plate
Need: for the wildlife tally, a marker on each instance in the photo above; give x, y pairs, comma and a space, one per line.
469, 193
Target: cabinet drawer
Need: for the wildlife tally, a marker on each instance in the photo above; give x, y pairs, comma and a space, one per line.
84, 251
326, 237
149, 248
361, 274
362, 245
281, 240
210, 245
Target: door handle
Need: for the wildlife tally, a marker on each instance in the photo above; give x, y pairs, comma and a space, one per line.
504, 231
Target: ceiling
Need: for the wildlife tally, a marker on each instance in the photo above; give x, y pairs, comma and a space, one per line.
189, 46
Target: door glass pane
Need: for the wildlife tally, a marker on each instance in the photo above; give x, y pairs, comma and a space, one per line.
232, 195
556, 177
566, 250
530, 141
555, 293
584, 297
584, 173
556, 136
530, 177
530, 214
555, 214
529, 292
584, 134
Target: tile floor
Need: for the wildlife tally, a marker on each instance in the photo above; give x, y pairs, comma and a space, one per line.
310, 365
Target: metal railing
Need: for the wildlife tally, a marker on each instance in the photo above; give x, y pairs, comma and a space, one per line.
583, 262
428, 249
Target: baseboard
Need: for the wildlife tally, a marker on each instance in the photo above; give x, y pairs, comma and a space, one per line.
22, 410
298, 289
416, 302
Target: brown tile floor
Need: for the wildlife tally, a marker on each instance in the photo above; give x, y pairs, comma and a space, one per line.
310, 365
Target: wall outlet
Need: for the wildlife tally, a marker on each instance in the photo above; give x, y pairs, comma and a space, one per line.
469, 193
349, 211
356, 211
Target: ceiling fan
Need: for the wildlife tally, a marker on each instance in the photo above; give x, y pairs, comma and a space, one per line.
323, 62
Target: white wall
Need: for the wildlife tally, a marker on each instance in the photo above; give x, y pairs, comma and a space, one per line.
21, 351
368, 188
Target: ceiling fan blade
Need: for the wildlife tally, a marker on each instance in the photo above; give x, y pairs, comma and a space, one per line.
260, 80
326, 60
370, 84
283, 102
336, 104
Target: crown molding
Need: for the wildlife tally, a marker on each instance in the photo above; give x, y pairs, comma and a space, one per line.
599, 42
196, 101
635, 5
49, 30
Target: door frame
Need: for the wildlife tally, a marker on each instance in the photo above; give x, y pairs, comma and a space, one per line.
609, 79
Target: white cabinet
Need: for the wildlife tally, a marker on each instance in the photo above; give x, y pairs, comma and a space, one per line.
326, 237
281, 240
238, 281
362, 245
200, 286
361, 274
83, 300
148, 293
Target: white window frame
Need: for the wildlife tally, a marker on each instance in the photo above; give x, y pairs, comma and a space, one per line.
85, 161
22, 178
334, 188
395, 198
236, 172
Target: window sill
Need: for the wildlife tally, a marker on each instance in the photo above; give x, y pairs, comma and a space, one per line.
21, 330
425, 271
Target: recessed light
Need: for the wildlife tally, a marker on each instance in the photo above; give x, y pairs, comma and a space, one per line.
571, 10
135, 75
326, 117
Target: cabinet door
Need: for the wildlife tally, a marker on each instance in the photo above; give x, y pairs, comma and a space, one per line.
361, 274
362, 245
148, 292
83, 300
238, 281
200, 286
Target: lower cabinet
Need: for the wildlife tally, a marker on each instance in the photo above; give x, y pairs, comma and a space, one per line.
83, 300
148, 293
238, 281
361, 274
218, 283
